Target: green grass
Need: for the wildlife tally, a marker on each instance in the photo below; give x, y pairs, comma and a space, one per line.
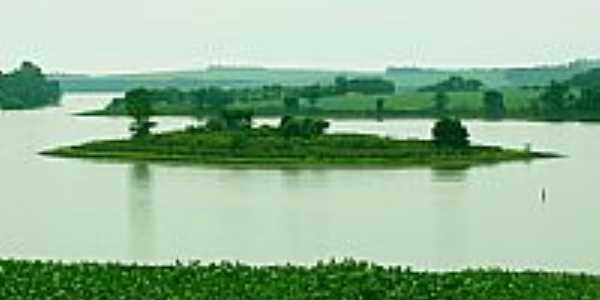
334, 280
515, 100
260, 148
403, 104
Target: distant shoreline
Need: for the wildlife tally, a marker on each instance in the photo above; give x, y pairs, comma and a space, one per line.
368, 115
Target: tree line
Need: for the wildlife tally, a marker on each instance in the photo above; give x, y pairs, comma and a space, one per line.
493, 104
216, 98
447, 132
454, 84
578, 97
563, 98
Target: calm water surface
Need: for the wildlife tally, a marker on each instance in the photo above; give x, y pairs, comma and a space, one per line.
429, 219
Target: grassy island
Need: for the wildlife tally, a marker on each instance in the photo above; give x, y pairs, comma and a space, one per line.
348, 279
297, 142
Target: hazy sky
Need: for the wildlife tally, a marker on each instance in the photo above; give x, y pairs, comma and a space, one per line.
138, 35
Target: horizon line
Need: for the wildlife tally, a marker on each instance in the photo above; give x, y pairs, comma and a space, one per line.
313, 68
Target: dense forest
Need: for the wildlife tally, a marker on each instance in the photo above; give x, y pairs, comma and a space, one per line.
27, 87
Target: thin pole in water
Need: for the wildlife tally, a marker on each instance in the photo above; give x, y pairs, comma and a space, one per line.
544, 195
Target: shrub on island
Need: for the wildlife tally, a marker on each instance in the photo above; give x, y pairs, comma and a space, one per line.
450, 132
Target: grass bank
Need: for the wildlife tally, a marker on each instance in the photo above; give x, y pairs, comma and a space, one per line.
334, 280
402, 105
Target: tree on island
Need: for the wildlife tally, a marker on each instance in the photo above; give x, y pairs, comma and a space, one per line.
231, 119
493, 103
237, 118
216, 124
139, 107
302, 127
450, 132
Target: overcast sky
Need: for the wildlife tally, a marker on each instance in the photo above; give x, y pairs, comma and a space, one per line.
141, 35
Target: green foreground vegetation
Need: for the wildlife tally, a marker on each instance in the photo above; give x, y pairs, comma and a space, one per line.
348, 279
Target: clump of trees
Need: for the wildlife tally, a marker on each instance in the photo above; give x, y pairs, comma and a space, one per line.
380, 108
493, 104
560, 99
240, 120
588, 85
455, 84
302, 127
587, 79
199, 101
589, 99
232, 119
237, 119
139, 107
313, 92
556, 97
450, 132
579, 96
342, 85
211, 100
27, 87
365, 85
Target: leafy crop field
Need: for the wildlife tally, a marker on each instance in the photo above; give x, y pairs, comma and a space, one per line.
335, 280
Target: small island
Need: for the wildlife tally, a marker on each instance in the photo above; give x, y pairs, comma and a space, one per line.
297, 141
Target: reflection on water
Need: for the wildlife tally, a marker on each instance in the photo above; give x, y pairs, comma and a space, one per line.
449, 175
451, 215
141, 213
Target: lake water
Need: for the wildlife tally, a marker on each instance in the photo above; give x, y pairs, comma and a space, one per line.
489, 216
